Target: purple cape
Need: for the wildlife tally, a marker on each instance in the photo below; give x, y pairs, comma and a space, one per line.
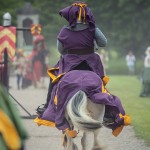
69, 61
92, 85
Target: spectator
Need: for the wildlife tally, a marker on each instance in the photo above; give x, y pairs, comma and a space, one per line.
131, 60
19, 62
146, 75
38, 60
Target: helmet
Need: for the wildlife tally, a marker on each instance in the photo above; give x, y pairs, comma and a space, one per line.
6, 19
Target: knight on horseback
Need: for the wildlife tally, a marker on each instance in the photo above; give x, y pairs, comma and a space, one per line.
79, 75
77, 43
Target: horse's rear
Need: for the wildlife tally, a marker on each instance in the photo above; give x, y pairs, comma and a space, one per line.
84, 115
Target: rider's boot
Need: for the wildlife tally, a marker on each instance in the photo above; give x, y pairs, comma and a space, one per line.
43, 107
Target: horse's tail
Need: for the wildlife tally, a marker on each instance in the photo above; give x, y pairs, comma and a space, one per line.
77, 112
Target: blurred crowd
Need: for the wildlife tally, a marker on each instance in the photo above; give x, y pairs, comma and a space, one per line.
31, 69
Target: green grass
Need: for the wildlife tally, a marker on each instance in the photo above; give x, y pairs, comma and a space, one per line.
118, 66
128, 88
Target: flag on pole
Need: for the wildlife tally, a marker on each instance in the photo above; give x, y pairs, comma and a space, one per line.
8, 41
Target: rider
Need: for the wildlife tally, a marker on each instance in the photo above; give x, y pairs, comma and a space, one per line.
76, 43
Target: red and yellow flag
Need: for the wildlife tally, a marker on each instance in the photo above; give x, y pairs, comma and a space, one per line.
8, 40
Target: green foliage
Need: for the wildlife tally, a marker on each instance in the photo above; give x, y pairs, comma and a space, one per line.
127, 88
11, 7
117, 66
125, 23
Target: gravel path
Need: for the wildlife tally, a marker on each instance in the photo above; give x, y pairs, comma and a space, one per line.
46, 138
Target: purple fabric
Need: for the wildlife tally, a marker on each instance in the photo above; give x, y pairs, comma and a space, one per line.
91, 84
70, 13
76, 39
69, 61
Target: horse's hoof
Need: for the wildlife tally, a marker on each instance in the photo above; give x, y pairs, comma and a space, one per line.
99, 148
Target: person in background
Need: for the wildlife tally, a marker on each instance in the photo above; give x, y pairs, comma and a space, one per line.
146, 75
19, 63
131, 61
38, 60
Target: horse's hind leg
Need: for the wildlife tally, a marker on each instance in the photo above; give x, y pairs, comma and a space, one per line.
84, 141
96, 145
69, 144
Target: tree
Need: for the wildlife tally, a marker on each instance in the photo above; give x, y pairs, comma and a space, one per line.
125, 23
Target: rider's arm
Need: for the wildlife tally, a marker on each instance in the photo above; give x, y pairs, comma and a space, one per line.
100, 39
60, 47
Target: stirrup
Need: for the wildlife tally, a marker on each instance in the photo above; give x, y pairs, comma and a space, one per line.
40, 110
107, 121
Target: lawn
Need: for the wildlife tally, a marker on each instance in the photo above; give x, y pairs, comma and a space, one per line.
128, 88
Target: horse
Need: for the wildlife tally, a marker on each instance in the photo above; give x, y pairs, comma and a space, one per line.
82, 113
86, 116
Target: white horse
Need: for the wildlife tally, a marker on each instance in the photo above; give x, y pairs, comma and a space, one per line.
86, 116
